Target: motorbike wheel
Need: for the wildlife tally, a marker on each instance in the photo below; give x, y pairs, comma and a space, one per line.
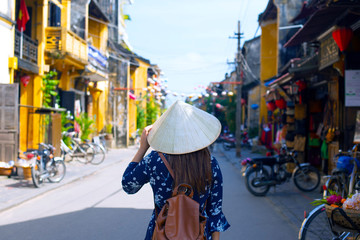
226, 146
254, 176
307, 178
57, 170
36, 175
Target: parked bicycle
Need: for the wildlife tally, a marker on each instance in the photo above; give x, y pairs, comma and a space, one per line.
258, 180
316, 224
82, 152
100, 152
46, 166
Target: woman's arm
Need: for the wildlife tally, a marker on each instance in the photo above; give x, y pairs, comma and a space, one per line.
215, 235
144, 145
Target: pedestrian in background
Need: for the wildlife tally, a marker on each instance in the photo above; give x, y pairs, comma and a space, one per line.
183, 134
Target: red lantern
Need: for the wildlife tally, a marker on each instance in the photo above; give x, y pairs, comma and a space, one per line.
342, 37
280, 103
25, 80
243, 101
271, 106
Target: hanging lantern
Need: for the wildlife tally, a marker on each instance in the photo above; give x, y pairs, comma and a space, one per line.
271, 106
25, 80
280, 103
342, 37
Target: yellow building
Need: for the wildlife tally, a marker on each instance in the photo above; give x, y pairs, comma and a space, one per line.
268, 21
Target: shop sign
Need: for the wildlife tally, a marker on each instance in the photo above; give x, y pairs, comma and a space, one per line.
352, 88
329, 52
96, 55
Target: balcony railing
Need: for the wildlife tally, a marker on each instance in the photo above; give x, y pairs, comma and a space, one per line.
61, 42
30, 48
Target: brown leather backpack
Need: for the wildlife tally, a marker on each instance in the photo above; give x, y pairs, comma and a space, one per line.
180, 218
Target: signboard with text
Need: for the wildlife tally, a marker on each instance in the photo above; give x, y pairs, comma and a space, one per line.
352, 88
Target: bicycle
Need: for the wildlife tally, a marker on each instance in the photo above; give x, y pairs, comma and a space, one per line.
317, 224
82, 152
100, 153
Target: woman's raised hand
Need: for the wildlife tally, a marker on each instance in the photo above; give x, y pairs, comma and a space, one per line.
144, 144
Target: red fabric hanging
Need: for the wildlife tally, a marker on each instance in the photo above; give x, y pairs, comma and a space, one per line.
342, 37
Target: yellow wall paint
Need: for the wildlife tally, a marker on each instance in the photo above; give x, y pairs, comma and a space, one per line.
139, 79
268, 60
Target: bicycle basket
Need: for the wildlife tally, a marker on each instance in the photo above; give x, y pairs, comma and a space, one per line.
346, 218
345, 162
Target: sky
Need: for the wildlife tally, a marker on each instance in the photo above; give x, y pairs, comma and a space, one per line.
189, 39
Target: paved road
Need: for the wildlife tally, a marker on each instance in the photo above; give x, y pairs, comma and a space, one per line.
95, 207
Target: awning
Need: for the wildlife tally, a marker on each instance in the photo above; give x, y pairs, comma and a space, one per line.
306, 65
318, 23
304, 12
269, 82
281, 80
94, 74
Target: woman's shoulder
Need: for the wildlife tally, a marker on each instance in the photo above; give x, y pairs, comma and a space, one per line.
152, 158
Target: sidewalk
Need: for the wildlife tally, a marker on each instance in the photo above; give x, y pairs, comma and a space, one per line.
286, 198
14, 192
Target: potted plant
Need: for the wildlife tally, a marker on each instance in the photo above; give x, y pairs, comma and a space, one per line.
86, 126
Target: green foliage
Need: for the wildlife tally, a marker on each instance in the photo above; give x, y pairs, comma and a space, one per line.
227, 116
66, 124
49, 88
140, 118
86, 126
152, 111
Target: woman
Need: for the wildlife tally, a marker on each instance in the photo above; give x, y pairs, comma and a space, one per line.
182, 134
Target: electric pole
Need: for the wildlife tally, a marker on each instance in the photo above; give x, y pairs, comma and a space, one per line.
238, 94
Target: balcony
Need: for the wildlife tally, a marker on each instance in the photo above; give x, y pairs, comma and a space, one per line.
64, 44
29, 60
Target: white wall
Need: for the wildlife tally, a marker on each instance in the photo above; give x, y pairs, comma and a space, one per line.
6, 50
6, 38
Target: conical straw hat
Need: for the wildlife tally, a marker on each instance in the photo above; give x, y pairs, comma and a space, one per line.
183, 129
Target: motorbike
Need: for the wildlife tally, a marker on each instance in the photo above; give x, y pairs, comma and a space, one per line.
46, 166
265, 172
229, 141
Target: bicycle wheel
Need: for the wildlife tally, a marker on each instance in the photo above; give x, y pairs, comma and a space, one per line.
307, 178
85, 153
317, 227
57, 170
36, 175
99, 154
253, 180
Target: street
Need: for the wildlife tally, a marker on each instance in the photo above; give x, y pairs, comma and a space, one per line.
95, 207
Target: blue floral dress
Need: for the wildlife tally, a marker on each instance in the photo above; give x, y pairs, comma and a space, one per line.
152, 169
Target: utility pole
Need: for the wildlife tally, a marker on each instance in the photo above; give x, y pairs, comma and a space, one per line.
238, 94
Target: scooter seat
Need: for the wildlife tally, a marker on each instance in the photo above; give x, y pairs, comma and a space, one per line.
265, 160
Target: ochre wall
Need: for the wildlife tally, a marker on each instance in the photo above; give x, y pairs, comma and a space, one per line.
268, 60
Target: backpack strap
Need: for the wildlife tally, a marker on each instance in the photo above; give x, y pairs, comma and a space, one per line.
167, 164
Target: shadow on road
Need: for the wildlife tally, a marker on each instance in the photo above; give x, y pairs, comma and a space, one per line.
88, 224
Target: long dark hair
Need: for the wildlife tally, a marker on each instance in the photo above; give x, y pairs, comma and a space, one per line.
192, 168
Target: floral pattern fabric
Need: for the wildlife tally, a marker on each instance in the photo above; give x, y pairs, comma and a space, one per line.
151, 169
